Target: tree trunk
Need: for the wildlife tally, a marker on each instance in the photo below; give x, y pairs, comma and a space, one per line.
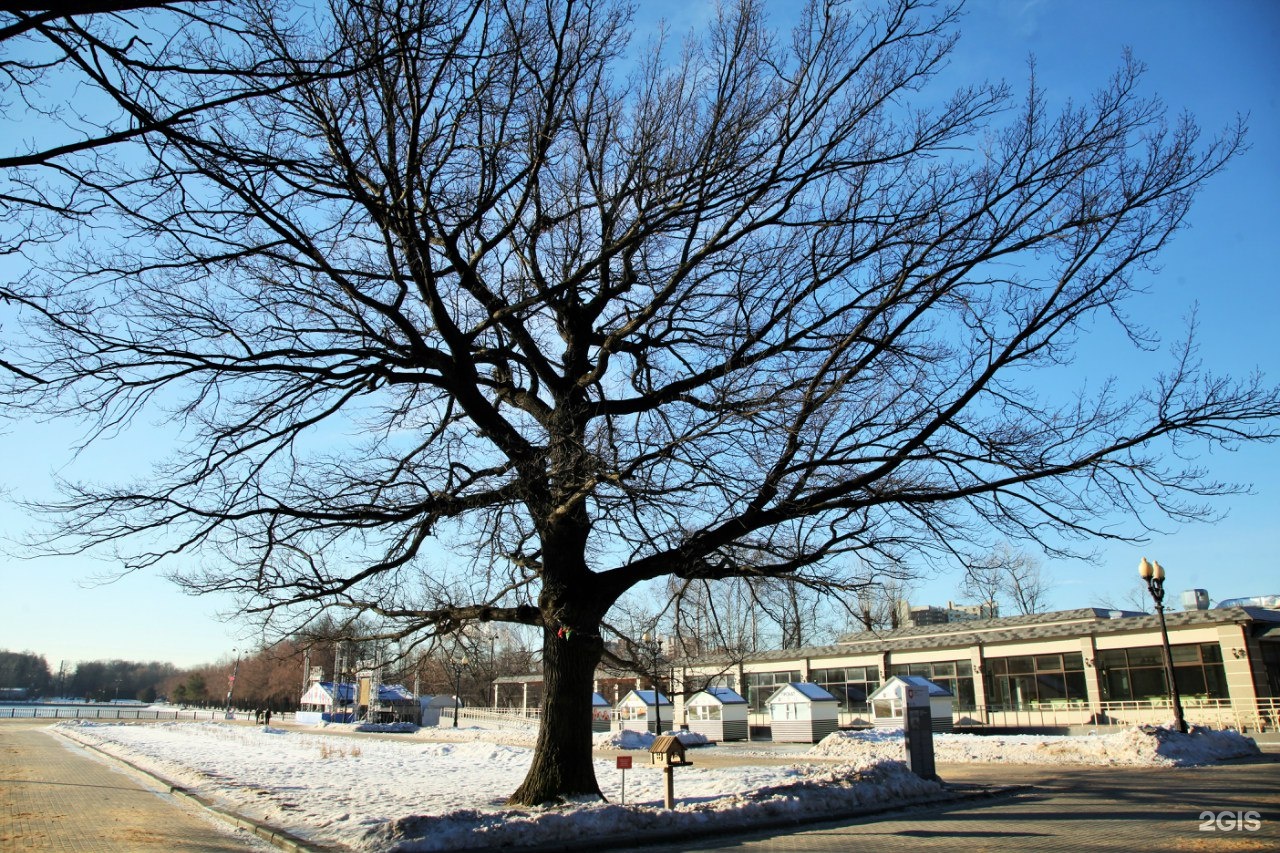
562, 763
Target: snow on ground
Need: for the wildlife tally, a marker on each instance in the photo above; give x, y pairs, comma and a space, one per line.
1136, 746
629, 739
411, 794
408, 795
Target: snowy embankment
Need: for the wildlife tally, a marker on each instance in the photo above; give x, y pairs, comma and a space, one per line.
1137, 746
412, 794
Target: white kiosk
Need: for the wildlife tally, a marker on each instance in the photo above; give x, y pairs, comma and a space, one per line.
889, 702
645, 711
801, 712
718, 713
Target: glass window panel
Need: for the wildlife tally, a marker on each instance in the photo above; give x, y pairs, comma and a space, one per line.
898, 669
1185, 654
1112, 657
997, 666
944, 670
1116, 687
1215, 682
1023, 688
1020, 664
1076, 686
966, 698
1148, 683
1190, 680
1049, 663
1148, 656
1051, 685
1211, 653
964, 667
1073, 660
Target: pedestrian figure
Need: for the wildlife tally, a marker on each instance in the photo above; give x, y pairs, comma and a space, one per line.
268, 716
257, 716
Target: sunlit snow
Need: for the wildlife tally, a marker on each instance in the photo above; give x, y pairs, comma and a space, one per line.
445, 789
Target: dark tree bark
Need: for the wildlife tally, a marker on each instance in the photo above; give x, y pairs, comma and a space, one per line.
469, 315
562, 765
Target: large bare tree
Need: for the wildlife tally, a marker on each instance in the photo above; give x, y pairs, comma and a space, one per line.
475, 312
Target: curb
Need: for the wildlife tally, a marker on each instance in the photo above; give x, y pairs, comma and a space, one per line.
276, 837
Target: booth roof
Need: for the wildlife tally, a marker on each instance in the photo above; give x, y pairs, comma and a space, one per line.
895, 685
724, 695
808, 690
646, 696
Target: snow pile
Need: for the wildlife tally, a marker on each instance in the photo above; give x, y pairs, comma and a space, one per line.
1141, 746
632, 739
807, 793
394, 728
448, 734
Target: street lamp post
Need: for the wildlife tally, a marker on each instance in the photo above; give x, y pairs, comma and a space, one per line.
653, 646
1153, 573
458, 666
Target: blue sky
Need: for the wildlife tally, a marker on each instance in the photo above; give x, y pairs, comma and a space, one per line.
1213, 59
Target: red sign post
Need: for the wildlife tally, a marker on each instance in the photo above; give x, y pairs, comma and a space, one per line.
624, 764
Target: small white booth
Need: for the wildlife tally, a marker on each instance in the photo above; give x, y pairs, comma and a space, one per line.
889, 702
801, 712
437, 710
644, 710
601, 713
718, 713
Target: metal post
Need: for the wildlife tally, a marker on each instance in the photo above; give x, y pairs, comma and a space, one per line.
1153, 574
458, 666
654, 649
457, 688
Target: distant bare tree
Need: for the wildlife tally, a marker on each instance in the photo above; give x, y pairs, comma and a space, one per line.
467, 274
1026, 585
1136, 598
1007, 575
880, 605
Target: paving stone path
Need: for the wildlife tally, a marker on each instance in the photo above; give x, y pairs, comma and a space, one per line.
55, 796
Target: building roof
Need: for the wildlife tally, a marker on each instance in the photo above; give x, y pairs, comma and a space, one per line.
1008, 629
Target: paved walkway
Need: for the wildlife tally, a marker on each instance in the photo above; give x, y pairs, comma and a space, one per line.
55, 796
1072, 810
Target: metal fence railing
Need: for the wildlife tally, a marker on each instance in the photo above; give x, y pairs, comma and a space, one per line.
99, 712
1262, 715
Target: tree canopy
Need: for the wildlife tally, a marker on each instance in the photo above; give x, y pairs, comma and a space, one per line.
472, 310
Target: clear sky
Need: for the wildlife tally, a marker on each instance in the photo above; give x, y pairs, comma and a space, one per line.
1212, 58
